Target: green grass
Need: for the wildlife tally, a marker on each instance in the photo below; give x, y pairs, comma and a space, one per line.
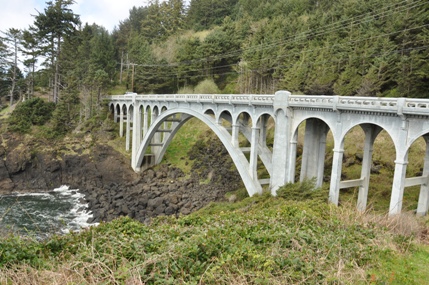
402, 268
185, 138
258, 240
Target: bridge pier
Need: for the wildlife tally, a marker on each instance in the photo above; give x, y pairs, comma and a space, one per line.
280, 159
371, 133
128, 131
423, 204
253, 161
337, 163
398, 186
121, 122
313, 156
234, 134
136, 139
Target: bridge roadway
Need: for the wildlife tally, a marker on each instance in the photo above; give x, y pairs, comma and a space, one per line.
244, 124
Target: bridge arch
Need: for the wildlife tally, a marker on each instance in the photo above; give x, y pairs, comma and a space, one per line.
252, 185
358, 145
418, 167
313, 150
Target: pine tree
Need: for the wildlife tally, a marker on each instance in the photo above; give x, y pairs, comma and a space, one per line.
13, 43
54, 25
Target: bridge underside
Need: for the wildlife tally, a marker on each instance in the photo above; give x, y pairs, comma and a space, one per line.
263, 135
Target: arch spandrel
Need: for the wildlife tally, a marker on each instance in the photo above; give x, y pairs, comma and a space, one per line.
416, 130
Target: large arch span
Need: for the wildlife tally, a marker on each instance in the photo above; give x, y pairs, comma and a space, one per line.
252, 185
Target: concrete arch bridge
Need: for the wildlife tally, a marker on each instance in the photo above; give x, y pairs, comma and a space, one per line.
262, 130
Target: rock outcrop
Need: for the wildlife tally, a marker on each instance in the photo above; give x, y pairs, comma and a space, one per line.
110, 186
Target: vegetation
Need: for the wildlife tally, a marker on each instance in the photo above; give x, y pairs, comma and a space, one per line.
31, 112
259, 240
353, 48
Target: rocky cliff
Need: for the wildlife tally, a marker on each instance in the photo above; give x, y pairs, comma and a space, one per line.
111, 187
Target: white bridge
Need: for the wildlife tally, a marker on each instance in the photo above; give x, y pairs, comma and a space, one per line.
244, 122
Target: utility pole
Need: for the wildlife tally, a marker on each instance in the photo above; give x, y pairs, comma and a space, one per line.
132, 76
122, 65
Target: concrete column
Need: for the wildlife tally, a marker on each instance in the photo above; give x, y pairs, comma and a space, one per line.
253, 164
280, 152
322, 132
136, 140
121, 123
400, 168
263, 132
234, 135
423, 205
156, 136
292, 160
128, 131
313, 156
398, 186
145, 122
308, 161
371, 132
115, 115
337, 164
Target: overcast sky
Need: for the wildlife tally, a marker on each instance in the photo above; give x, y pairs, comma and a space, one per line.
106, 13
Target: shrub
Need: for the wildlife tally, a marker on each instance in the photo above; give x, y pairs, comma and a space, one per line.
31, 112
186, 90
207, 86
302, 191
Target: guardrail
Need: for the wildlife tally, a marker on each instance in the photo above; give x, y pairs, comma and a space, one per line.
400, 106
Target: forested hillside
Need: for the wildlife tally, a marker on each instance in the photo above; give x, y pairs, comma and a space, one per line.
363, 48
348, 47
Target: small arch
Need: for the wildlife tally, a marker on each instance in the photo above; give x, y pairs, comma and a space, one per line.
210, 112
266, 126
416, 193
312, 150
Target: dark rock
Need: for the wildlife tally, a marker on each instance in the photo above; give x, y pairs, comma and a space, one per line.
154, 203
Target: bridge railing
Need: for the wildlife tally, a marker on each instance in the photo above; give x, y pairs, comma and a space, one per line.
248, 99
400, 106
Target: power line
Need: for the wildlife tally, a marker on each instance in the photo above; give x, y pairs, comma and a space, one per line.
334, 27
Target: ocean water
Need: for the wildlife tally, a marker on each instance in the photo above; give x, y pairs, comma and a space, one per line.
41, 214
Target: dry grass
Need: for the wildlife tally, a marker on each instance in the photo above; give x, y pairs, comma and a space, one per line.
405, 224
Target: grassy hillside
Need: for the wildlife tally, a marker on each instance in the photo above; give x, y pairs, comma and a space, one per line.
259, 240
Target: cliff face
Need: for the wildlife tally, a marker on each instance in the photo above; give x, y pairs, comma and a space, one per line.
34, 166
110, 186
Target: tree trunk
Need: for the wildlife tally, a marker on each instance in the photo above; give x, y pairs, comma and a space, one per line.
15, 64
57, 71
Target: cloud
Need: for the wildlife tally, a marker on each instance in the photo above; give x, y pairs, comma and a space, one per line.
106, 13
18, 13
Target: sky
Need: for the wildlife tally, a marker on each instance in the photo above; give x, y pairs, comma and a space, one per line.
106, 13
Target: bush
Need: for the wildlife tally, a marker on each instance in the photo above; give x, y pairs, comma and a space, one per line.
207, 86
305, 190
186, 90
31, 112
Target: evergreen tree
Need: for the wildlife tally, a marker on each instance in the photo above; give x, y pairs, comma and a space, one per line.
13, 42
54, 25
30, 51
204, 14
